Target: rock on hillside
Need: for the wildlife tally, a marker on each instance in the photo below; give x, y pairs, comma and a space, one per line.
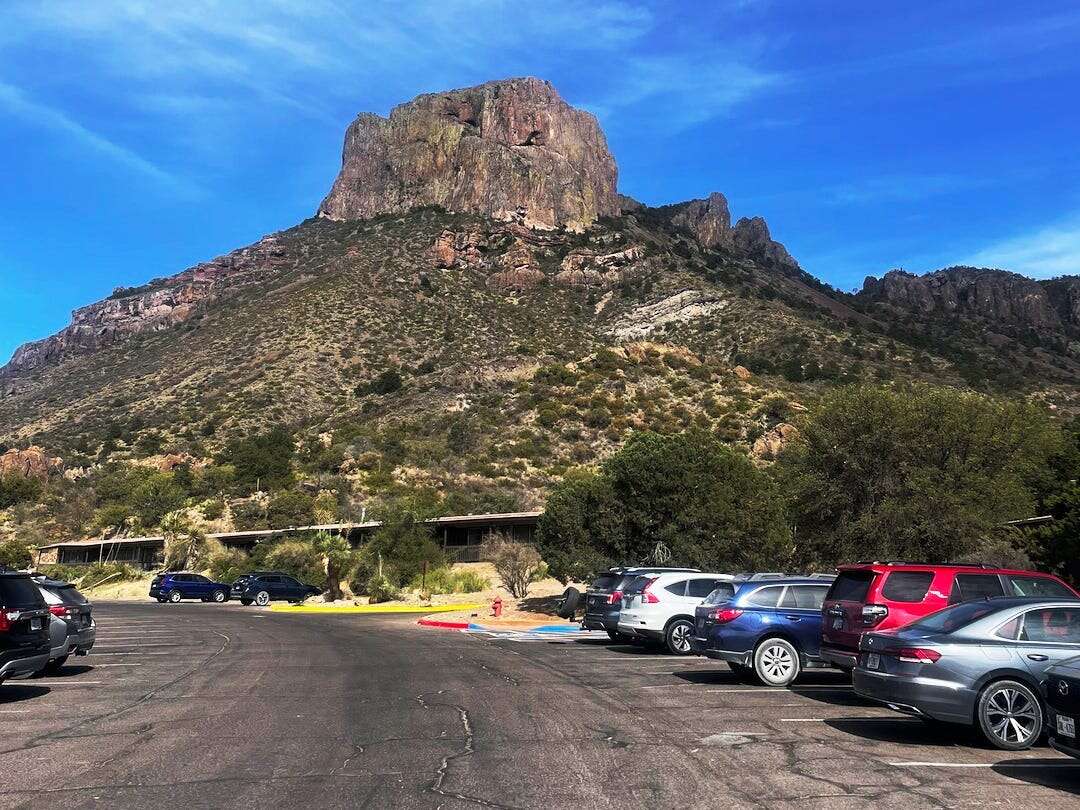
509, 149
1003, 298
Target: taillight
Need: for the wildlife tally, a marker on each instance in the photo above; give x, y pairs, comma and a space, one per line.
647, 596
918, 655
614, 597
5, 622
58, 610
874, 614
725, 615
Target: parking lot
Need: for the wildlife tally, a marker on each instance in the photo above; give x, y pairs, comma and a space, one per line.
204, 705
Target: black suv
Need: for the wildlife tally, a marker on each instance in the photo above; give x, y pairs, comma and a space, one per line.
603, 599
264, 587
24, 626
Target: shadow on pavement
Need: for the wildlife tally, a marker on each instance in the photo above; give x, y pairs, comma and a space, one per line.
1059, 773
67, 672
16, 691
906, 731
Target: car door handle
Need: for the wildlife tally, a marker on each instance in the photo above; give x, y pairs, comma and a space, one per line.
793, 618
1038, 657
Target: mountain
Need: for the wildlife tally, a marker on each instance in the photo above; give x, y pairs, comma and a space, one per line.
474, 304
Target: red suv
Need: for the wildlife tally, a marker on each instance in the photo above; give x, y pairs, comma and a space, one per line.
881, 595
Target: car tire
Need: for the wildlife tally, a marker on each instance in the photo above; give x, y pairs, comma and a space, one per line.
776, 662
677, 637
218, 596
245, 602
175, 597
262, 599
568, 606
1010, 715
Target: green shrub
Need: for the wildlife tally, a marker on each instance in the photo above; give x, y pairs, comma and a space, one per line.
451, 580
86, 576
228, 565
299, 558
380, 589
290, 508
17, 488
14, 553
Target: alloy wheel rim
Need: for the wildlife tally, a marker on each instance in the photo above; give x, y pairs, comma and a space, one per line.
680, 637
262, 599
1011, 715
777, 663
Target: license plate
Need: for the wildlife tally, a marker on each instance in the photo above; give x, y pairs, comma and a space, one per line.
1066, 726
35, 624
873, 661
838, 624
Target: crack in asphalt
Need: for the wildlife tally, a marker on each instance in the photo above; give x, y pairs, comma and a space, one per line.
442, 771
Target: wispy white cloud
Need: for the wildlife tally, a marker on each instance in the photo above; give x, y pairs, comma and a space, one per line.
900, 188
1042, 253
19, 105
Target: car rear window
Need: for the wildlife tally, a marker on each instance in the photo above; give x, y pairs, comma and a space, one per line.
953, 618
972, 587
851, 586
606, 582
722, 593
20, 592
637, 584
907, 586
700, 588
72, 596
807, 597
1038, 586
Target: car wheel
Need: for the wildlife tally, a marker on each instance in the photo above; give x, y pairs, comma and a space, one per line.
776, 662
245, 602
677, 637
262, 599
175, 596
569, 604
1010, 715
218, 596
55, 665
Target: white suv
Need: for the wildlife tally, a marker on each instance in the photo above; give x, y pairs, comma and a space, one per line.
661, 606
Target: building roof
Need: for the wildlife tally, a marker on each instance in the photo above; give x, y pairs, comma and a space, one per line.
511, 518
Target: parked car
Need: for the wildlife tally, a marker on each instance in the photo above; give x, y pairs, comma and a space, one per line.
172, 586
880, 596
769, 627
603, 599
24, 626
264, 587
66, 603
58, 646
978, 663
1062, 693
660, 606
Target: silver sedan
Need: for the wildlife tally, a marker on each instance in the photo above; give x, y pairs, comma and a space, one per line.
977, 663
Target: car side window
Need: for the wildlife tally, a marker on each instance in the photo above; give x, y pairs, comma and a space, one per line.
765, 597
973, 587
289, 581
808, 597
700, 588
1038, 586
1052, 626
677, 588
907, 586
1010, 629
198, 578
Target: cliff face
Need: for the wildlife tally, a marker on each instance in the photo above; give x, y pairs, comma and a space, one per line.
999, 297
710, 221
513, 150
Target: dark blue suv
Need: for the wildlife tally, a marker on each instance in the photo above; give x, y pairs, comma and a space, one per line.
172, 586
770, 628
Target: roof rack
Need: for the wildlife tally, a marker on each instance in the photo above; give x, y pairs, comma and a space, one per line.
928, 564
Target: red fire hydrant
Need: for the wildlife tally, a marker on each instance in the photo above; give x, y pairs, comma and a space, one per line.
496, 607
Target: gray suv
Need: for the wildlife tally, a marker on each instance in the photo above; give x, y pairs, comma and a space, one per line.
24, 626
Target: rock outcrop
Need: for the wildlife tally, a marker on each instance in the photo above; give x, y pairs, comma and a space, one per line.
33, 462
751, 236
158, 305
1004, 298
709, 220
512, 149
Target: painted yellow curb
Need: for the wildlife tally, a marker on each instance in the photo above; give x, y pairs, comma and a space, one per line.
386, 608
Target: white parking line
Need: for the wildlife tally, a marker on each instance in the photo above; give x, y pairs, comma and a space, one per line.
110, 654
780, 689
1005, 764
95, 666
885, 718
64, 683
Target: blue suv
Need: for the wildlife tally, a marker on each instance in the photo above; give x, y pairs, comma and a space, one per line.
172, 586
770, 628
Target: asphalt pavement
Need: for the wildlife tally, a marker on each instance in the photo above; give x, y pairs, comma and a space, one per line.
202, 705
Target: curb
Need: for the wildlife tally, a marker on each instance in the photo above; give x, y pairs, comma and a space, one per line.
371, 609
441, 625
553, 629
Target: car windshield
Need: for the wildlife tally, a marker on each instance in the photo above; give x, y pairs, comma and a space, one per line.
953, 618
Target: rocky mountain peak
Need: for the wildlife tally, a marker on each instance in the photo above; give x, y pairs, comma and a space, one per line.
510, 149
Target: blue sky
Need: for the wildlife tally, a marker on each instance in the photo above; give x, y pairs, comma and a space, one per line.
139, 137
